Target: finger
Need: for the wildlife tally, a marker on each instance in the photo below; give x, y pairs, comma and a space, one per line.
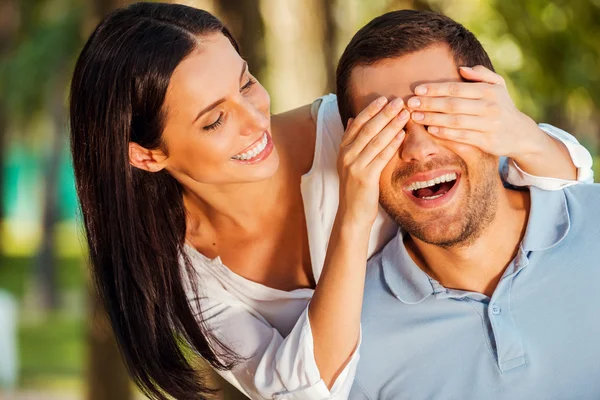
480, 73
376, 124
362, 118
383, 158
470, 137
448, 105
466, 90
454, 121
382, 140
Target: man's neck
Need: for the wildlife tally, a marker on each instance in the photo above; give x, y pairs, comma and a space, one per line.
478, 266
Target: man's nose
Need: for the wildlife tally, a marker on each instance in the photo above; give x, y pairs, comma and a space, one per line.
419, 145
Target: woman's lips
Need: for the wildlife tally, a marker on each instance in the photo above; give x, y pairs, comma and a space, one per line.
262, 155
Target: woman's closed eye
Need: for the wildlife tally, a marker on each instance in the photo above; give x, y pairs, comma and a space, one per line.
248, 85
215, 124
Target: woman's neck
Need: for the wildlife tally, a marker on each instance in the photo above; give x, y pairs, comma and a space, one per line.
243, 207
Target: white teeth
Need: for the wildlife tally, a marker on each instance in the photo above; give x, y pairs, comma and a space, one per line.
432, 197
440, 179
257, 149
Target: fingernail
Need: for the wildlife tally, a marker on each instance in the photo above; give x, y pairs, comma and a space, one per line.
414, 102
433, 129
400, 135
397, 103
417, 116
421, 90
466, 68
381, 101
404, 114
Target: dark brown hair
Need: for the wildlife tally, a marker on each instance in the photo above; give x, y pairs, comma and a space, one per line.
399, 33
135, 220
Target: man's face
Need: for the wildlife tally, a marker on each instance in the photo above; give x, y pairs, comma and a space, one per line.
441, 192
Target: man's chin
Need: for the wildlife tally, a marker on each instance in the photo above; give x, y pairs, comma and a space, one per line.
441, 233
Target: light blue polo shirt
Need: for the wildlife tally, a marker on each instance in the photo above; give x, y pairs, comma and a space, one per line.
537, 337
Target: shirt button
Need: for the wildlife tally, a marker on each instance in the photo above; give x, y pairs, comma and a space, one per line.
495, 309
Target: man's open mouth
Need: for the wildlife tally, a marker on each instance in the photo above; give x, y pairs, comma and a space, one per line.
434, 188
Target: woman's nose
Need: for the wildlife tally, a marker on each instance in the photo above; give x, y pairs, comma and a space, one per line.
255, 119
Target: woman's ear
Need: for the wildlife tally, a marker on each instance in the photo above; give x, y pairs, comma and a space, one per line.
148, 160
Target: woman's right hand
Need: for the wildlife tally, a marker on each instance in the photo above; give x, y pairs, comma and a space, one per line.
369, 143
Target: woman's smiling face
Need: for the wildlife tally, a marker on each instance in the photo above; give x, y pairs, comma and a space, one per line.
217, 120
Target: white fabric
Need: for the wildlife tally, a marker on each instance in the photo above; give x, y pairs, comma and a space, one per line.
271, 327
582, 159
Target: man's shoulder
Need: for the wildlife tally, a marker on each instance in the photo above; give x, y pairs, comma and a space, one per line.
583, 200
374, 280
584, 190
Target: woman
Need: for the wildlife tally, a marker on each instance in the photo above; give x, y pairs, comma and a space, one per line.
208, 222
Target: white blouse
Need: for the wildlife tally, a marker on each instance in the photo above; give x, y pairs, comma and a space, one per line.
270, 327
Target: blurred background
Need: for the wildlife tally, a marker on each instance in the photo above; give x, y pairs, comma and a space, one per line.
54, 340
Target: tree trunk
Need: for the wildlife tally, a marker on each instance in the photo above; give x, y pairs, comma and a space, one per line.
246, 23
297, 59
8, 29
107, 375
46, 259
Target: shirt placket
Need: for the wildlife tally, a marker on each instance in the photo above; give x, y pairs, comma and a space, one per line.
509, 345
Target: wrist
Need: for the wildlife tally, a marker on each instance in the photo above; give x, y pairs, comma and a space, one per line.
535, 142
353, 224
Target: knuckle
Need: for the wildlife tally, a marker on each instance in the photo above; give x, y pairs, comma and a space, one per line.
367, 130
456, 120
461, 134
353, 170
376, 142
454, 89
346, 160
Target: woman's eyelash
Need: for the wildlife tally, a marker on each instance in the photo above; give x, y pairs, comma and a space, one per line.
219, 121
248, 84
215, 124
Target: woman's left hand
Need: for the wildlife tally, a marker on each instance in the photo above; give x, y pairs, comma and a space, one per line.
480, 113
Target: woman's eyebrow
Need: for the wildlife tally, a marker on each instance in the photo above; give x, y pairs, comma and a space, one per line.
217, 102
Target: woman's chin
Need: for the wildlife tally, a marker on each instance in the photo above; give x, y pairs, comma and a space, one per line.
256, 172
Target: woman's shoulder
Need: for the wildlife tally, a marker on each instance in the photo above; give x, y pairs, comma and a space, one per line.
304, 132
294, 133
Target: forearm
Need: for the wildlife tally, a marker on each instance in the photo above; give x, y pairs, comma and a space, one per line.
548, 156
335, 309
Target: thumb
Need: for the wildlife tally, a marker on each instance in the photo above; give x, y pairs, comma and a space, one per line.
479, 73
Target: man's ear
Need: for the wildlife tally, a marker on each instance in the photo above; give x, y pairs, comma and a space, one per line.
148, 160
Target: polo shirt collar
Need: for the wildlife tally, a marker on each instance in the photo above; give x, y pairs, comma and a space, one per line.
548, 225
549, 221
409, 283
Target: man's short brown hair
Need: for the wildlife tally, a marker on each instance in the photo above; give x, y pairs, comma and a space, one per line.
399, 33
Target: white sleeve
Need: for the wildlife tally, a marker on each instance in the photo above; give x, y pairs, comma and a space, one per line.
272, 366
581, 158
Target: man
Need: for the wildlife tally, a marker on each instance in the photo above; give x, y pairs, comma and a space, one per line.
492, 293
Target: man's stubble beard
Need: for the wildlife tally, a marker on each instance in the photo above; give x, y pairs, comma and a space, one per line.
478, 210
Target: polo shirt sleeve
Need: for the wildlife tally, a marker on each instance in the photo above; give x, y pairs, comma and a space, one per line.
273, 366
582, 159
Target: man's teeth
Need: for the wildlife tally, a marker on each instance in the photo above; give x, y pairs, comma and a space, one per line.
433, 197
253, 152
424, 184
